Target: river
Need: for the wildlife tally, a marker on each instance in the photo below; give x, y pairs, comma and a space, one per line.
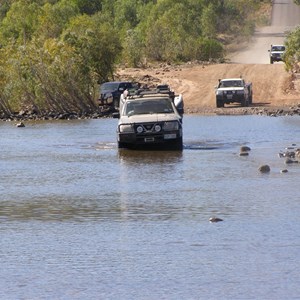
80, 219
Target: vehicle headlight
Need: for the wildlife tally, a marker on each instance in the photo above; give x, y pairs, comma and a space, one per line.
139, 129
157, 128
108, 95
127, 128
240, 92
174, 125
219, 93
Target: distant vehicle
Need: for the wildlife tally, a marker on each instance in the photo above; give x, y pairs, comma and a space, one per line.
150, 118
233, 90
276, 53
110, 92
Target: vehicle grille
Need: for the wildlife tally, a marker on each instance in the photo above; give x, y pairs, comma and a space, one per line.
147, 128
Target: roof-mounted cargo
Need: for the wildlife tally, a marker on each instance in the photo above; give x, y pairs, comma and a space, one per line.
160, 90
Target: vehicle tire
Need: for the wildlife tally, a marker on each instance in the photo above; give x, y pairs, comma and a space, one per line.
116, 103
243, 102
250, 99
271, 61
177, 144
122, 145
219, 103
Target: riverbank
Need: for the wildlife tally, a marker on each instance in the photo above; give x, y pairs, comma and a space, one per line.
106, 112
196, 81
290, 110
31, 115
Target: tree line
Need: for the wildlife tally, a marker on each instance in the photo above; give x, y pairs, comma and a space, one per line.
292, 53
55, 53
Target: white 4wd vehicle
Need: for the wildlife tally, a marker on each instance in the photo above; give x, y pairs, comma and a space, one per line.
276, 53
150, 118
233, 90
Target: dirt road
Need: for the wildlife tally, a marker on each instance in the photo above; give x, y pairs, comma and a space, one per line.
272, 85
285, 16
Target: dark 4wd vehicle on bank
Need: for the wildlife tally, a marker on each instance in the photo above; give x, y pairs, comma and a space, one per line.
110, 92
150, 118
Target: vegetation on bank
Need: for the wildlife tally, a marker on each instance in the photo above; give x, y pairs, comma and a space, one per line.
292, 54
54, 53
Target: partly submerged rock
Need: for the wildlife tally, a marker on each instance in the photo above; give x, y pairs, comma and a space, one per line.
21, 124
297, 154
245, 149
215, 220
290, 161
264, 169
244, 153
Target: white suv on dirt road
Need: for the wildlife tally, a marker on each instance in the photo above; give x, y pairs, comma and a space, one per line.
276, 53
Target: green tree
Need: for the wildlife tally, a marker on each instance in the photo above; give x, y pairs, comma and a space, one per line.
97, 43
62, 83
88, 7
4, 8
133, 48
172, 28
47, 79
54, 18
20, 22
209, 21
292, 54
126, 17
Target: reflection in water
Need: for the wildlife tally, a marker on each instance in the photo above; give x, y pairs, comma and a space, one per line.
208, 145
188, 145
144, 177
151, 157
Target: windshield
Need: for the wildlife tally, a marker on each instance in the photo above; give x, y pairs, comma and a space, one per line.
231, 83
278, 48
111, 86
157, 106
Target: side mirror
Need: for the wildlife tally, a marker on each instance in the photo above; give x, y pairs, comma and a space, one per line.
180, 111
116, 115
178, 101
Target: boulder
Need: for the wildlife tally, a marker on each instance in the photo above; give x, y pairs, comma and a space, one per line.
215, 220
264, 169
244, 153
245, 149
21, 124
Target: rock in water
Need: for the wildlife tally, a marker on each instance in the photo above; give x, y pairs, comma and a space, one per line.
264, 169
215, 220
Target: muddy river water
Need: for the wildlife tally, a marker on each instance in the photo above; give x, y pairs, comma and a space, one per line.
81, 220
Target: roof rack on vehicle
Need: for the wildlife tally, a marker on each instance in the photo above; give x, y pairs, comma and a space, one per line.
158, 91
162, 90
